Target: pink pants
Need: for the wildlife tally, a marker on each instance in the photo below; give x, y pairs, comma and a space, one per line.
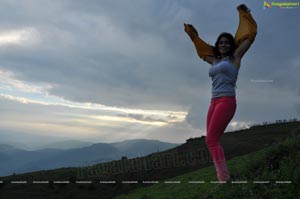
220, 113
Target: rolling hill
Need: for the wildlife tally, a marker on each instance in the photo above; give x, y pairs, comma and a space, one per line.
266, 152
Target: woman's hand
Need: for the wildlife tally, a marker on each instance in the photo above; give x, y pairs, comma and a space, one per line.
244, 8
191, 31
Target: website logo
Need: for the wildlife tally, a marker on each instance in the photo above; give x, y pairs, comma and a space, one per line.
281, 5
267, 5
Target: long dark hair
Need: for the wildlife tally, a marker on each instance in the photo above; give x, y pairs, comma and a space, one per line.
231, 42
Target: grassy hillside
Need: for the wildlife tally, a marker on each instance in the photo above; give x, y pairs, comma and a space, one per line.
187, 162
278, 163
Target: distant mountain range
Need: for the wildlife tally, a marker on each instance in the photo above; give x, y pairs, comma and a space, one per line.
66, 144
73, 153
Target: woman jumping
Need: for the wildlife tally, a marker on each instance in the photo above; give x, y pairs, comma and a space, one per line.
225, 59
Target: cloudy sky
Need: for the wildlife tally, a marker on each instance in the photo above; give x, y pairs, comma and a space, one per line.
110, 70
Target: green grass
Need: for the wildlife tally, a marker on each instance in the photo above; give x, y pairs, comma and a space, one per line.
279, 162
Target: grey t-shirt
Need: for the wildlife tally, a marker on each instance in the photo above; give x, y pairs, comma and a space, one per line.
224, 75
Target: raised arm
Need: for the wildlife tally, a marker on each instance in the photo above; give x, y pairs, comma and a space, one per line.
246, 32
242, 49
204, 50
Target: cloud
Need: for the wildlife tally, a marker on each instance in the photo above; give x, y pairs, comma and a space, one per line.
18, 37
99, 52
126, 59
9, 81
